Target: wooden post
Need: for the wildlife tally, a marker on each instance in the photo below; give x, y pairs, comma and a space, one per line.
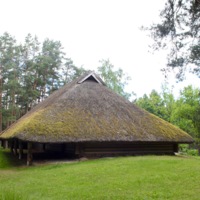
11, 147
29, 154
15, 147
20, 150
6, 144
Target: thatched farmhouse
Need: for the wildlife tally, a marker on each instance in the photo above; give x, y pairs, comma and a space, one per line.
85, 118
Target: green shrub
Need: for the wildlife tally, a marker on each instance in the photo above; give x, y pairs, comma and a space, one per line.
192, 152
185, 149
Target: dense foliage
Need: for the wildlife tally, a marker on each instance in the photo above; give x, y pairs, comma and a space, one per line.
116, 80
179, 31
30, 72
182, 111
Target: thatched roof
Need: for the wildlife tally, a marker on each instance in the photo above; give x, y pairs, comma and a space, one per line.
86, 110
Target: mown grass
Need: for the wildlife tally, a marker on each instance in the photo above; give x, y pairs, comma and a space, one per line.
145, 177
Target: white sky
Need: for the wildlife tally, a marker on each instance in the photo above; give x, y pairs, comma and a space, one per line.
91, 30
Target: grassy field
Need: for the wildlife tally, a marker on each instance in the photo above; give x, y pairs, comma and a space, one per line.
145, 177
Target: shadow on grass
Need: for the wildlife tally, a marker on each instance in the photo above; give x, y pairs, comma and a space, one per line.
8, 160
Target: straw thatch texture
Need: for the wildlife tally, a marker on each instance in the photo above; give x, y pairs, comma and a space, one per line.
89, 111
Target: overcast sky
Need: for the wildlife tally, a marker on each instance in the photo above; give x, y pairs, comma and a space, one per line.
91, 30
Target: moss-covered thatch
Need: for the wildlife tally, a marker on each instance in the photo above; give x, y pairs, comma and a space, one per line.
86, 110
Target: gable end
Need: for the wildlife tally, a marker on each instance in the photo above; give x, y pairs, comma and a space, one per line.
92, 77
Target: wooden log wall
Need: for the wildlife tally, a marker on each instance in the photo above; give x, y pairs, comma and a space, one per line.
127, 148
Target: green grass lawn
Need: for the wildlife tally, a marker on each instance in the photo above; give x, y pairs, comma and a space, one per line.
144, 177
